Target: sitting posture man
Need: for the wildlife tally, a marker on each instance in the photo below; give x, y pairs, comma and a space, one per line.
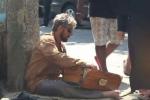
49, 60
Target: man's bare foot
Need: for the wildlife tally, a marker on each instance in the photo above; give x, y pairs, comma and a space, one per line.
113, 94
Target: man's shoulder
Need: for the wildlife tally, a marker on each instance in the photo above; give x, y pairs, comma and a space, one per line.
47, 37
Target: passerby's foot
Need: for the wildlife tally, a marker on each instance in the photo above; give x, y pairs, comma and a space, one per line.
3, 90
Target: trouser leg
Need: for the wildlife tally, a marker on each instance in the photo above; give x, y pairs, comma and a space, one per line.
61, 88
139, 34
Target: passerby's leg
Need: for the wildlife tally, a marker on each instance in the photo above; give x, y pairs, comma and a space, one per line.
46, 12
1, 89
61, 88
1, 94
79, 15
101, 55
102, 52
99, 30
110, 47
114, 38
139, 48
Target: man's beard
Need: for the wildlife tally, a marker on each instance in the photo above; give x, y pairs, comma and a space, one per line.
64, 39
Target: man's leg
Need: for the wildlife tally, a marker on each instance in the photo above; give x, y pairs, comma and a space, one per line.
63, 89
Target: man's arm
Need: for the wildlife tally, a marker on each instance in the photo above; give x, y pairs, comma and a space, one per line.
52, 54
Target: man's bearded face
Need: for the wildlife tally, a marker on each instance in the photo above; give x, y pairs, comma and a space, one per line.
66, 33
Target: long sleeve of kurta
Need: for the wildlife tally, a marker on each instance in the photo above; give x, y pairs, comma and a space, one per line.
50, 51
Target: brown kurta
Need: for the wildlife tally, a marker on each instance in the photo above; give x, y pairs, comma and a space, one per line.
47, 61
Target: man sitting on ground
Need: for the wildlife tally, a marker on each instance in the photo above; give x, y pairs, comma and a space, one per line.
49, 59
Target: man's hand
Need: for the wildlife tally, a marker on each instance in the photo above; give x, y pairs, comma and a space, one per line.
120, 35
